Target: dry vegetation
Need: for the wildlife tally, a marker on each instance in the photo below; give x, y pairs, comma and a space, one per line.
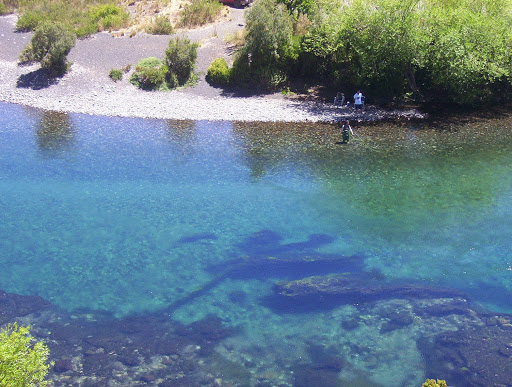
153, 16
145, 12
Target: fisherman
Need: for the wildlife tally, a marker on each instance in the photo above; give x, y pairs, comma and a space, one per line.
346, 132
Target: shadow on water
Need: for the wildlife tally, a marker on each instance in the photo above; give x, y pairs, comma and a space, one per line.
262, 255
197, 238
266, 242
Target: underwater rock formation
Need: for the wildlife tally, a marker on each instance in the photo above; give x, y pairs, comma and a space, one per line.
476, 355
359, 287
14, 305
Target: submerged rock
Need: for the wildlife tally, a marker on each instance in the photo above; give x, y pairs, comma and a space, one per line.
397, 321
15, 305
359, 287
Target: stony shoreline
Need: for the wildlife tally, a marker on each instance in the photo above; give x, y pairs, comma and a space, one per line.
88, 89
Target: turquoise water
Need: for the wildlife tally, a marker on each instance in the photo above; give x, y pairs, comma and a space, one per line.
124, 216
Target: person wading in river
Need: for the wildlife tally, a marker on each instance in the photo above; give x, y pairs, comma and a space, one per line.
346, 132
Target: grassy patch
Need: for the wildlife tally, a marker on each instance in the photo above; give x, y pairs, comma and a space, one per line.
199, 12
237, 39
161, 25
116, 74
84, 17
8, 6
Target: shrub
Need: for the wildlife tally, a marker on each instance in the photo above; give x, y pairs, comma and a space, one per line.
108, 17
161, 26
150, 62
218, 72
29, 21
149, 78
180, 59
149, 74
50, 45
20, 363
116, 74
199, 12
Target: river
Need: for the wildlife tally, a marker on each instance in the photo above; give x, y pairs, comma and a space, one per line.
192, 233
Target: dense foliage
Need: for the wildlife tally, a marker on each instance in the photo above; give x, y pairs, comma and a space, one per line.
21, 364
451, 52
176, 70
50, 45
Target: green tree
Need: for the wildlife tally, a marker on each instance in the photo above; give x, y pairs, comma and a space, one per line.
50, 46
180, 59
384, 43
268, 46
21, 364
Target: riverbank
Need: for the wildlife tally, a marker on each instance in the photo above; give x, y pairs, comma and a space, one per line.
88, 89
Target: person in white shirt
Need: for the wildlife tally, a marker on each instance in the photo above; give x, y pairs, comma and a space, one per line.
358, 100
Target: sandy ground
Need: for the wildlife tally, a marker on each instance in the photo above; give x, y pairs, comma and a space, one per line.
88, 89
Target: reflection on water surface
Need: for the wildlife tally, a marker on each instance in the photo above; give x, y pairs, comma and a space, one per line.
207, 235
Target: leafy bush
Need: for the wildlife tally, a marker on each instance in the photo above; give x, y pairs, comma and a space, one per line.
116, 74
199, 12
149, 78
20, 363
218, 72
161, 26
50, 45
180, 59
149, 74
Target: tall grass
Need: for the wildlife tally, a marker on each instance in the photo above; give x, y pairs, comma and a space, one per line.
199, 12
161, 25
84, 17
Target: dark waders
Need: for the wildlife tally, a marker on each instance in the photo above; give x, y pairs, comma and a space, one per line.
345, 134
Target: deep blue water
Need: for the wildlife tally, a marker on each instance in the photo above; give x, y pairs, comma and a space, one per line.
124, 216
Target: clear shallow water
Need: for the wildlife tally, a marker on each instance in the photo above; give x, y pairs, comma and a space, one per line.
131, 216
